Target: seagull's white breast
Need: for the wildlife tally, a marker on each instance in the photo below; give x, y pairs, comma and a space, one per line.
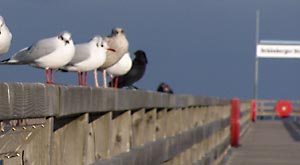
121, 67
5, 40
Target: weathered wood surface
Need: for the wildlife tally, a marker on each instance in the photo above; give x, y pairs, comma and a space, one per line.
269, 143
23, 100
23, 144
161, 123
19, 100
100, 137
70, 137
163, 149
138, 127
121, 130
113, 126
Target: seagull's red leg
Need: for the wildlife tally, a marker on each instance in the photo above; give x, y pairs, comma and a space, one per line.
47, 77
116, 82
51, 76
79, 78
85, 79
96, 78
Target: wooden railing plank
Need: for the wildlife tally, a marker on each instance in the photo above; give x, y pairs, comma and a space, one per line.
19, 100
266, 108
95, 124
164, 149
23, 100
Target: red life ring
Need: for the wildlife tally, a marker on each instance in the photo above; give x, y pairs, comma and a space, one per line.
283, 108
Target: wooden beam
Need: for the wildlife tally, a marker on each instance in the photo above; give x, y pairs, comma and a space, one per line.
121, 130
99, 143
138, 128
70, 141
161, 124
150, 125
162, 150
30, 100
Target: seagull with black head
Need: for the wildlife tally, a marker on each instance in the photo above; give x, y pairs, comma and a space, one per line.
49, 54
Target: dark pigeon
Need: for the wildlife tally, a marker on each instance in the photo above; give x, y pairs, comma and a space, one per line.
136, 72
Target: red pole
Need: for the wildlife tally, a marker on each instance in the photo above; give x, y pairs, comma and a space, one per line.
253, 110
235, 122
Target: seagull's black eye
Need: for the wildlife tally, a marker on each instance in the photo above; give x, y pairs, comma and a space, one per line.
122, 31
102, 45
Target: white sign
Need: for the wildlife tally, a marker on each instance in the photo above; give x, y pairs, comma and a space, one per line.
277, 51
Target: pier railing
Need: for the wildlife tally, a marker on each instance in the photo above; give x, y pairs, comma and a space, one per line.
48, 124
266, 109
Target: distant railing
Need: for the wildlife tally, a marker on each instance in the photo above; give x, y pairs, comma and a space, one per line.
50, 124
266, 109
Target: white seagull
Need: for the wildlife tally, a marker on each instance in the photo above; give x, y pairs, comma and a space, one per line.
5, 37
88, 56
119, 69
117, 41
50, 53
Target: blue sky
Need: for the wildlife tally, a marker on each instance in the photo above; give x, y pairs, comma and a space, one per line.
198, 47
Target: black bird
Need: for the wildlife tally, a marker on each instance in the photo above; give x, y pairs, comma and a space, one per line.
136, 72
165, 88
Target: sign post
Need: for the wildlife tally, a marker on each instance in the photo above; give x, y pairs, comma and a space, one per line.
272, 49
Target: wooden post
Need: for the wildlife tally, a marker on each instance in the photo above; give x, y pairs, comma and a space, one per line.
30, 143
138, 128
150, 123
185, 119
188, 156
201, 115
179, 120
121, 130
161, 124
38, 150
171, 125
99, 138
70, 141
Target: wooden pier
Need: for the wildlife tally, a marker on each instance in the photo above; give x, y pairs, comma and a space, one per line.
269, 143
82, 125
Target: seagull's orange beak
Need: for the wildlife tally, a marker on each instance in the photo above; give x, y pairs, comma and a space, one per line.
110, 49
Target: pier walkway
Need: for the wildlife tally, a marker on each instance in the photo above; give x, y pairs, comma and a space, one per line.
268, 143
